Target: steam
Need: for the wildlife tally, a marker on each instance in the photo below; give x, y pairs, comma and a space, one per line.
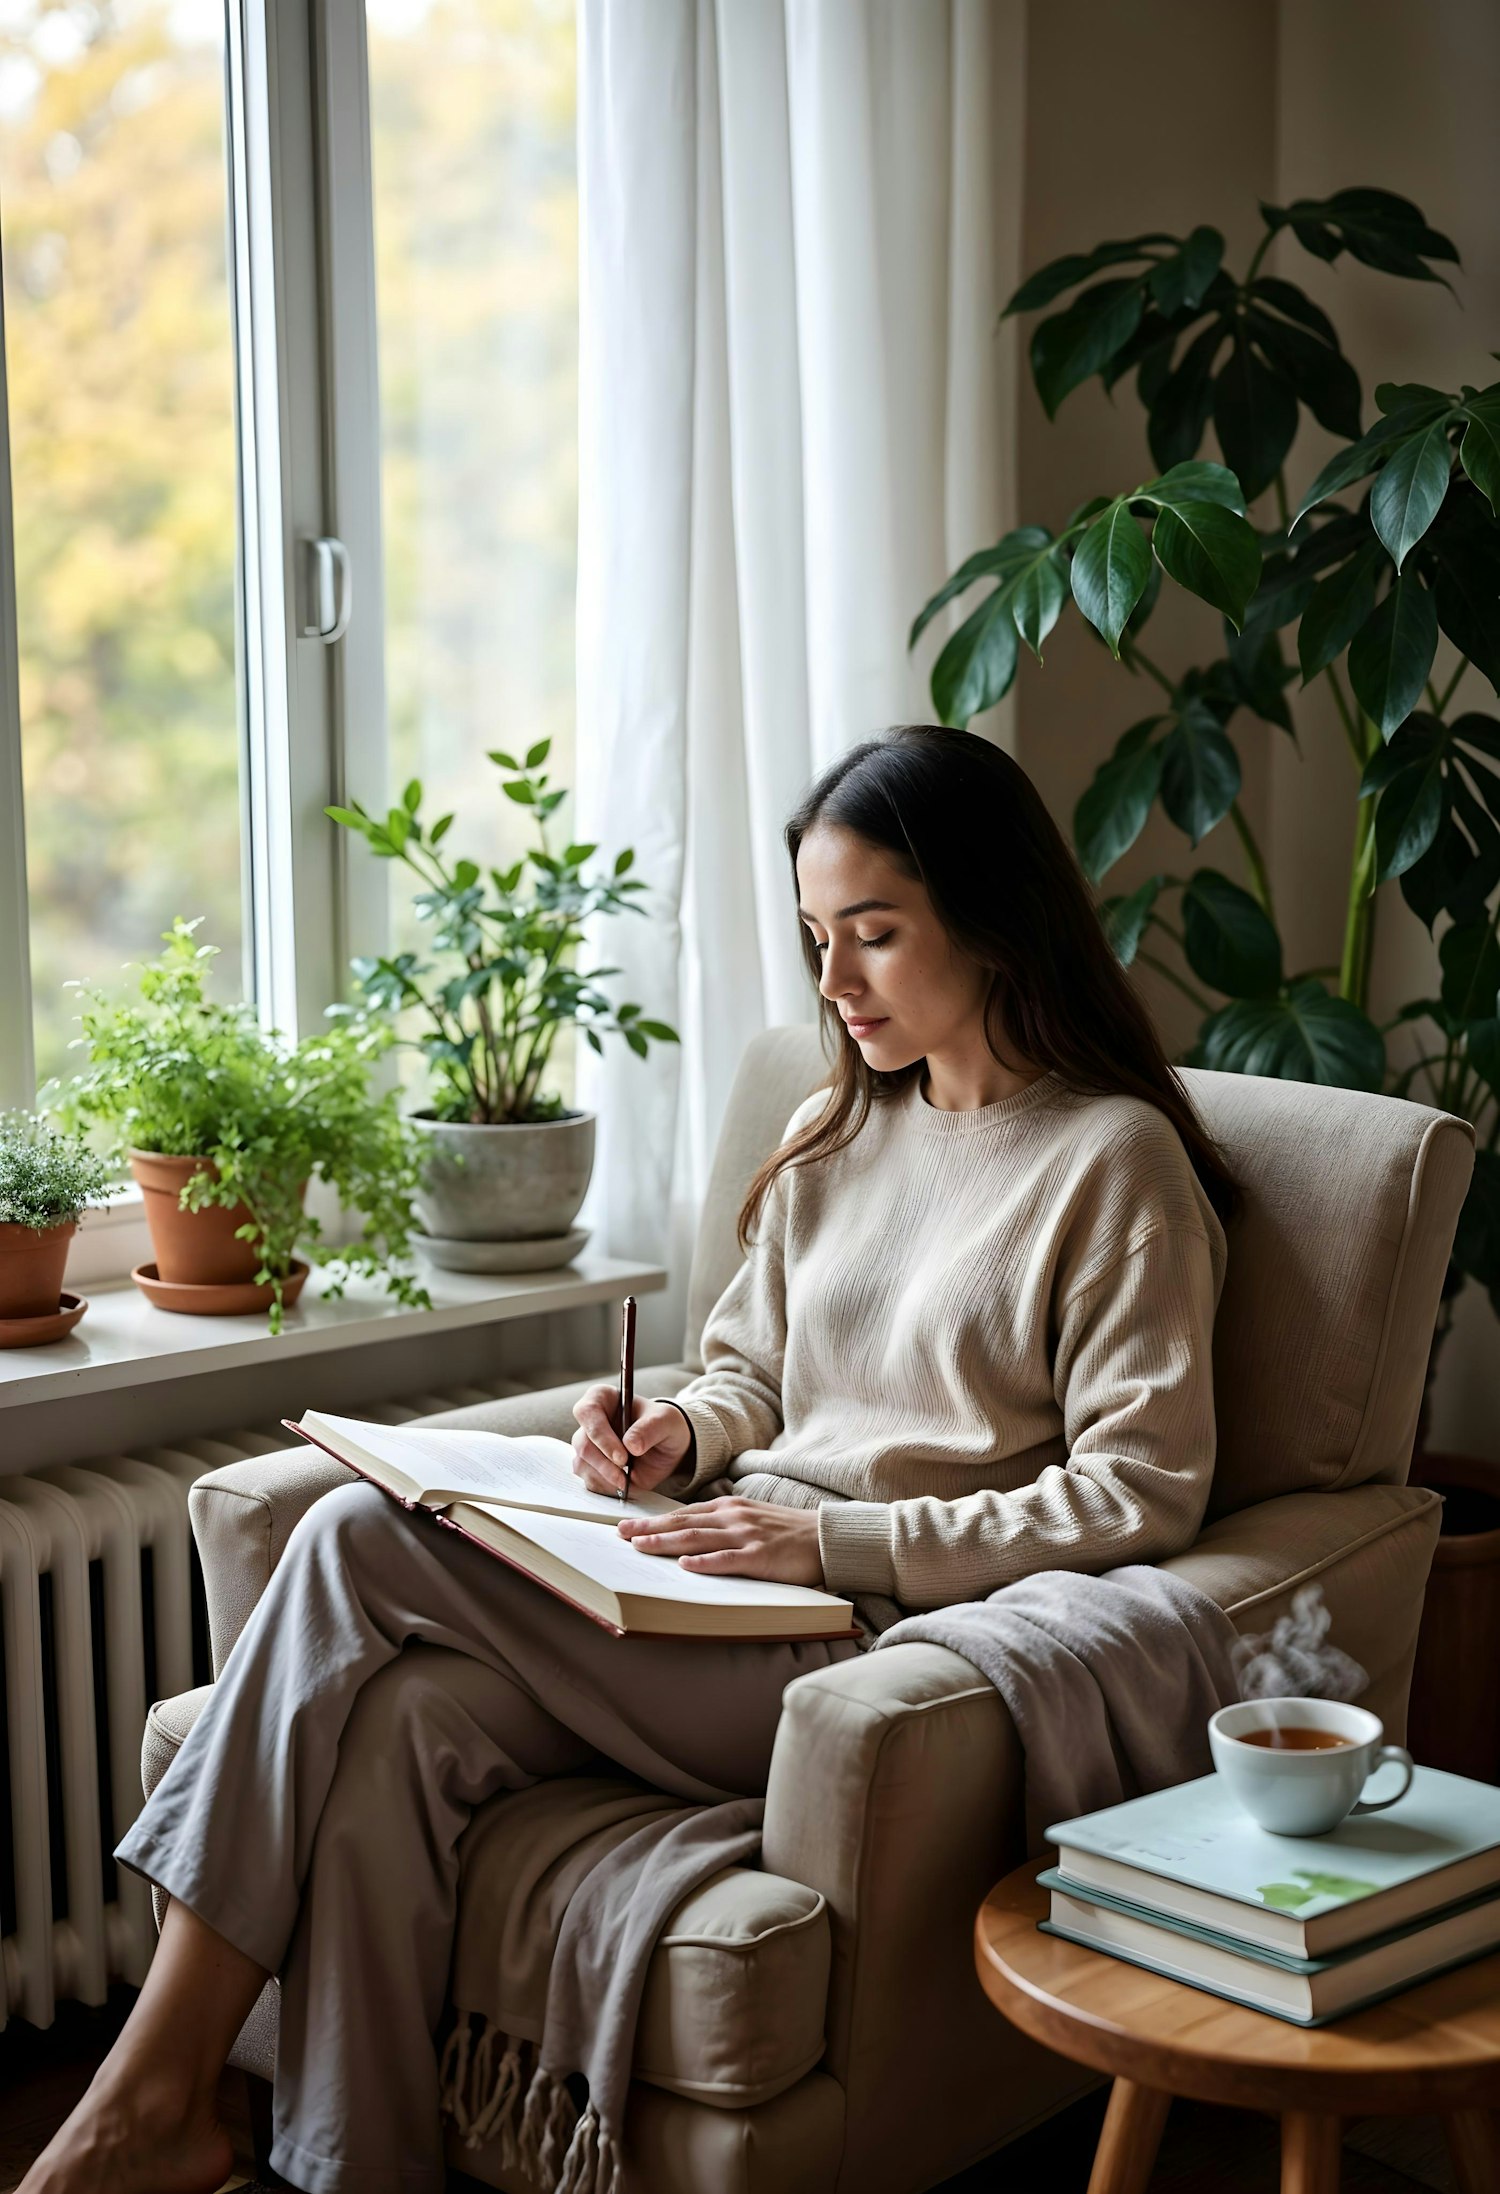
1293, 1659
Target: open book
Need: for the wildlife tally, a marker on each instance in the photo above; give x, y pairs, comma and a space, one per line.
518, 1498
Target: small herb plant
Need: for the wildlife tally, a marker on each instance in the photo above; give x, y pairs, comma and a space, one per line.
172, 1072
505, 984
47, 1177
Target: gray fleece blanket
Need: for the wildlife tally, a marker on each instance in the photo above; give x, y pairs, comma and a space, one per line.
1110, 1682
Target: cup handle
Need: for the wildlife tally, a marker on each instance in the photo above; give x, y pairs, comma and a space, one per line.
1396, 1753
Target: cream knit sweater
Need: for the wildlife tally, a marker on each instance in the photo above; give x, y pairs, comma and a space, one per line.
978, 1342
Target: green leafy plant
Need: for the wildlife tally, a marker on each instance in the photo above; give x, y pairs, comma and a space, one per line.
1395, 542
47, 1177
174, 1072
505, 983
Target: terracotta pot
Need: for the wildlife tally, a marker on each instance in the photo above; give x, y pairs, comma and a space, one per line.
31, 1269
1454, 1718
193, 1248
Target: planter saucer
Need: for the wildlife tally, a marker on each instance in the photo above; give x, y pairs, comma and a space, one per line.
534, 1253
227, 1299
50, 1326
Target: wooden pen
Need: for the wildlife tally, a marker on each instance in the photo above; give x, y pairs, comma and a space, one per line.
627, 1381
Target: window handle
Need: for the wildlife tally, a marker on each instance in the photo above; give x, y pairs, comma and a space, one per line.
330, 590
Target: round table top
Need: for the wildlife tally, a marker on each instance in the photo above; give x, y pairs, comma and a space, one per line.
1435, 2047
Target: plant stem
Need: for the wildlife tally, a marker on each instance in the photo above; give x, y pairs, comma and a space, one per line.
1259, 253
1451, 687
1205, 1005
1352, 962
1351, 729
1260, 882
1134, 653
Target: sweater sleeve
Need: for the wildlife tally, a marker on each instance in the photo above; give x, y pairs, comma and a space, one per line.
1133, 1376
734, 1403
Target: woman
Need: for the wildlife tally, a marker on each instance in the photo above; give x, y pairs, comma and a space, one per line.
971, 1339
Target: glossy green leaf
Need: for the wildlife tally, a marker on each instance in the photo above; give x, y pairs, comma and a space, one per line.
1071, 345
1194, 483
1229, 940
1112, 812
1200, 772
1470, 958
1410, 488
1465, 542
1319, 372
1360, 459
1338, 606
1037, 600
1008, 555
1181, 405
1294, 304
1182, 279
1210, 551
1391, 655
1409, 815
1480, 451
1260, 674
1111, 565
1126, 919
1059, 274
978, 664
1255, 417
1307, 1035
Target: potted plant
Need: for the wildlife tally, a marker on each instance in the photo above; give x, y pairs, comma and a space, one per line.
224, 1123
47, 1180
1392, 548
508, 1164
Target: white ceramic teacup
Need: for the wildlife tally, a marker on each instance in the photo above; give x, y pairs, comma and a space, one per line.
1303, 1793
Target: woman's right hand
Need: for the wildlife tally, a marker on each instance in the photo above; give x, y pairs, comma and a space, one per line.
658, 1441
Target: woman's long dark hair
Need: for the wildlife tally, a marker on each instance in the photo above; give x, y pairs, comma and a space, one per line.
954, 812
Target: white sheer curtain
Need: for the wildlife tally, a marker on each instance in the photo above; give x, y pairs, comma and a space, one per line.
799, 220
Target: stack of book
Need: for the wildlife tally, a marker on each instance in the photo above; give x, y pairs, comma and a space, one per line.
1306, 1928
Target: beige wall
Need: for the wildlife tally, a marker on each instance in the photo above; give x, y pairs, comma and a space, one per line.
1258, 99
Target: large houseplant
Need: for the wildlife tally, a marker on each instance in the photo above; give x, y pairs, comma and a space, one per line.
224, 1123
1354, 577
1395, 542
509, 1163
47, 1181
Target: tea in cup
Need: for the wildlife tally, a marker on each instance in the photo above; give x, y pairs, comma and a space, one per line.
1298, 1766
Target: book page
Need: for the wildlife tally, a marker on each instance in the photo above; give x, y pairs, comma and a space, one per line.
447, 1463
622, 1568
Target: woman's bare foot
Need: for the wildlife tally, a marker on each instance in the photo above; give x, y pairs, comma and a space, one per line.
134, 2138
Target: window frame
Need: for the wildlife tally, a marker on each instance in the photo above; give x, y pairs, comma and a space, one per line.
312, 714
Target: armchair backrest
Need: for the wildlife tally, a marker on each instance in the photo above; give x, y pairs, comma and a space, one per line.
1335, 1264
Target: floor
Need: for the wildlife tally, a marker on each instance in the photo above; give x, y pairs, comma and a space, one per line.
1205, 2151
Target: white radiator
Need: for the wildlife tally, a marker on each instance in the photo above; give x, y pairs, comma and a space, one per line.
102, 1612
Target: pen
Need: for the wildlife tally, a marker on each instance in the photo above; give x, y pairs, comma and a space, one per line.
627, 1380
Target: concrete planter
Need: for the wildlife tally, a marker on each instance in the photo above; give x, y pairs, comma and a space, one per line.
514, 1181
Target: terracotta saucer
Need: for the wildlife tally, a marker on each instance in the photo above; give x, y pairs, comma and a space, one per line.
231, 1299
50, 1326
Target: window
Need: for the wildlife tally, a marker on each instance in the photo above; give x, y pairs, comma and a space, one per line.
215, 217
119, 371
473, 126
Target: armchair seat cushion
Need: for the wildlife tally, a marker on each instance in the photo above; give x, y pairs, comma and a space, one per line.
735, 2009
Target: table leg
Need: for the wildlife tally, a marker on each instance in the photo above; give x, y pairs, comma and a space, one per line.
1309, 2152
1129, 2140
1474, 2150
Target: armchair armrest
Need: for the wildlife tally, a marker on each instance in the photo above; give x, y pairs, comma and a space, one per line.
243, 1513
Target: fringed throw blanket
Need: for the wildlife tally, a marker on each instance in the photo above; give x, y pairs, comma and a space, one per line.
615, 1859
1110, 1680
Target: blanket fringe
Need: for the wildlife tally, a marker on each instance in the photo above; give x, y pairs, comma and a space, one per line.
540, 2129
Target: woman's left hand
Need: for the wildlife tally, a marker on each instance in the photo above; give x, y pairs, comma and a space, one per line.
731, 1537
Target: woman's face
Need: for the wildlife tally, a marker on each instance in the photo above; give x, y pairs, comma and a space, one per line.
903, 989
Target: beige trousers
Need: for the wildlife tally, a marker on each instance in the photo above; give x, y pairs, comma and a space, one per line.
391, 1678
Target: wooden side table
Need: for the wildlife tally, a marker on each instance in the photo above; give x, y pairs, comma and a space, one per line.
1435, 2049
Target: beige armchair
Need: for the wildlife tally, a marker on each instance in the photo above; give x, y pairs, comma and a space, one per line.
815, 2024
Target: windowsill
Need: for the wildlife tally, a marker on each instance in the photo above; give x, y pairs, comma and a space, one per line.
123, 1341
